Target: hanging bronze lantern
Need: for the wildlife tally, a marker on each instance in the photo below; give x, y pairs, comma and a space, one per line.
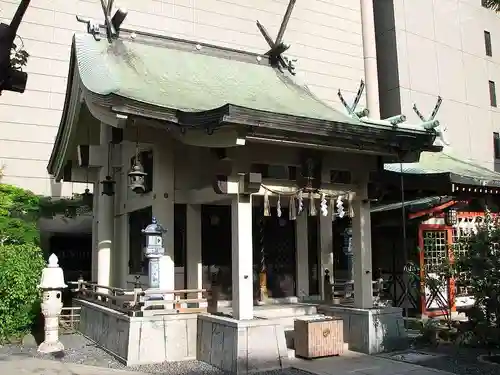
108, 186
137, 177
451, 217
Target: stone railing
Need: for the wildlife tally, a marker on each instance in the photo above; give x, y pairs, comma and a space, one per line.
142, 302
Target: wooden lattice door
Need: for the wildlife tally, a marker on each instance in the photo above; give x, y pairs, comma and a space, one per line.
460, 249
435, 243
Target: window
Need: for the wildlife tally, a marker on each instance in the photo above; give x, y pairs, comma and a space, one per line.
493, 94
487, 43
340, 177
277, 172
137, 221
496, 145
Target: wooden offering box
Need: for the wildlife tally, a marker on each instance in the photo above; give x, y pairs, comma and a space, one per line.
316, 337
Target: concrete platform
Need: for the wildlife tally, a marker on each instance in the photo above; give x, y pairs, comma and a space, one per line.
275, 310
241, 346
267, 341
370, 331
139, 340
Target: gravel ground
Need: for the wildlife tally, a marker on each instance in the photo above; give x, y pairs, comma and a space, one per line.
458, 360
80, 350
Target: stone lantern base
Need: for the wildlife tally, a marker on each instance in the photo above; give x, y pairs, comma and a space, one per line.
49, 347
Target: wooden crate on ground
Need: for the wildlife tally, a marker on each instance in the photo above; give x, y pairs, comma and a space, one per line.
316, 337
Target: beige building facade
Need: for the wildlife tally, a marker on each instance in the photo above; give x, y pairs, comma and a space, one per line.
441, 52
325, 37
447, 48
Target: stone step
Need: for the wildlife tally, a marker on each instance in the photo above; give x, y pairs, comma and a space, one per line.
284, 311
288, 322
291, 352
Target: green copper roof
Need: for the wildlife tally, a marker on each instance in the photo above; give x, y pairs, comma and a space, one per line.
446, 163
191, 80
184, 86
411, 205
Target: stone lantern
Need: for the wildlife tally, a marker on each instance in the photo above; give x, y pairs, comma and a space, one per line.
154, 251
52, 284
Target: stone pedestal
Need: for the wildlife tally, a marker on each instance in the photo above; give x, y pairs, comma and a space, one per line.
51, 344
139, 340
241, 346
370, 331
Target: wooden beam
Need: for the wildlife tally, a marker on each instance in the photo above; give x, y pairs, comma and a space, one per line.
207, 194
284, 23
278, 47
430, 211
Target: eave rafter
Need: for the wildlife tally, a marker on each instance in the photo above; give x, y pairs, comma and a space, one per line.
378, 139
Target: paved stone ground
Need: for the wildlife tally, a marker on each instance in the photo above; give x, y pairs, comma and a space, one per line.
79, 350
359, 364
34, 366
81, 353
458, 360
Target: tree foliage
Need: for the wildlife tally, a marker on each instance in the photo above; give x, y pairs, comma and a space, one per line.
19, 211
19, 58
479, 269
20, 271
17, 202
21, 259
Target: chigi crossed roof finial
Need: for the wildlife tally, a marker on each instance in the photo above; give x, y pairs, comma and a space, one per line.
112, 24
351, 109
278, 47
430, 124
362, 115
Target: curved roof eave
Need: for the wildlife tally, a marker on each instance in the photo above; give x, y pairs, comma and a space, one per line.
267, 97
73, 87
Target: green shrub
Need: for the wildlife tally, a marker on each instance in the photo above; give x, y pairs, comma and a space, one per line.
18, 216
16, 202
20, 270
18, 232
